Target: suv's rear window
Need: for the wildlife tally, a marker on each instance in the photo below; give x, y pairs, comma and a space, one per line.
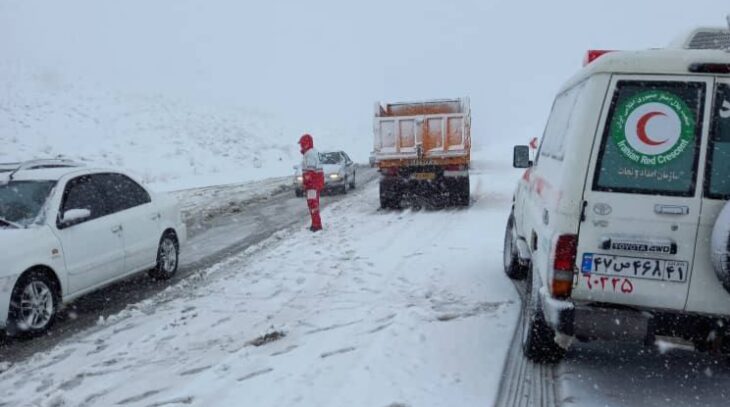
651, 140
718, 162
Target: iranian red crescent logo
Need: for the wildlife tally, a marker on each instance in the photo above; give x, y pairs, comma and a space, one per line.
653, 128
641, 129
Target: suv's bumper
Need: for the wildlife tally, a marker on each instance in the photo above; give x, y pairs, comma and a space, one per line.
587, 322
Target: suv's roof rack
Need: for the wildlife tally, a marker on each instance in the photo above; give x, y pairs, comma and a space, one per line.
704, 38
14, 168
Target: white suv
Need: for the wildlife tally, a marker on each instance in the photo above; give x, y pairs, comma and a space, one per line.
66, 230
612, 223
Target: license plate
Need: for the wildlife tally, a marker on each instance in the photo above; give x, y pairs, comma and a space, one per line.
635, 267
424, 176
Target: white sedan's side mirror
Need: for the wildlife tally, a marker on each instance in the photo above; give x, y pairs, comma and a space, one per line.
75, 215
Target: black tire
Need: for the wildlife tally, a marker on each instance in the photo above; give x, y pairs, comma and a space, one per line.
352, 184
168, 256
344, 187
512, 266
26, 317
538, 339
390, 196
461, 191
720, 247
299, 193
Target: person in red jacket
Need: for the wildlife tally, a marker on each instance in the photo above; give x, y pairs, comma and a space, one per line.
312, 178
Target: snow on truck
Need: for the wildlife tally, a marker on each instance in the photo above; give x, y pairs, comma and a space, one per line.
423, 148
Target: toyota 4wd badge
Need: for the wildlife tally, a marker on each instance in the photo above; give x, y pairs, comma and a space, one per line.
653, 128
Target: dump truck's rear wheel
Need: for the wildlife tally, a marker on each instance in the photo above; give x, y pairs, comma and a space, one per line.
390, 195
458, 191
462, 191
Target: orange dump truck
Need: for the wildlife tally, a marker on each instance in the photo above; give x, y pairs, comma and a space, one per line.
423, 149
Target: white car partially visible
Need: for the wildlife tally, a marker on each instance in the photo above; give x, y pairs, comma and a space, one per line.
67, 230
339, 173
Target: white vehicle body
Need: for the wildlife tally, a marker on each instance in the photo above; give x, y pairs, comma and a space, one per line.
94, 250
638, 221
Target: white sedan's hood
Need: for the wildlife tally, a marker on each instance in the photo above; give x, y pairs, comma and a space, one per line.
24, 248
11, 239
331, 168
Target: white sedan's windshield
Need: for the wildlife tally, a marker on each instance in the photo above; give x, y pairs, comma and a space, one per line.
330, 158
21, 201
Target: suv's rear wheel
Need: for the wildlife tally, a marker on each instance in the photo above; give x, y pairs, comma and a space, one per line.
33, 304
168, 255
512, 266
538, 339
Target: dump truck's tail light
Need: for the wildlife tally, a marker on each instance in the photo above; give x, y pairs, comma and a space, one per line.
455, 167
390, 171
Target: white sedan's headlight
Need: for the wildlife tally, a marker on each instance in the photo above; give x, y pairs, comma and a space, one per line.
335, 176
300, 178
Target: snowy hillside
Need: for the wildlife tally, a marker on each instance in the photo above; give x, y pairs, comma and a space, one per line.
165, 142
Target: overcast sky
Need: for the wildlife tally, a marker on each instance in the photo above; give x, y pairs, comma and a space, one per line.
322, 64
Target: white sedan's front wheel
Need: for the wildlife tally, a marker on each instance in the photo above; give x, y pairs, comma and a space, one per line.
168, 255
33, 304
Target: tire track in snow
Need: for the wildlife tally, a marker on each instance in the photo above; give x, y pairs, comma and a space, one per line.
524, 383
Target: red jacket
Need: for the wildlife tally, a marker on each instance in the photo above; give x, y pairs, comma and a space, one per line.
313, 180
312, 173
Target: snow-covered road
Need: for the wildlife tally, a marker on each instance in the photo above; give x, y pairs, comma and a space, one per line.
222, 220
383, 308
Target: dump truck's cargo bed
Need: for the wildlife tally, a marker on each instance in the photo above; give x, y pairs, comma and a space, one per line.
432, 131
423, 148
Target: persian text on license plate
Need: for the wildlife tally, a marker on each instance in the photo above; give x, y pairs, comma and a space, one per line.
652, 269
427, 176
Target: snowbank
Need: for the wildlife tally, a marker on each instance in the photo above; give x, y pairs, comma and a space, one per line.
165, 142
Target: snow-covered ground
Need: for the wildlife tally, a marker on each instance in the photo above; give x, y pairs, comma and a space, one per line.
382, 309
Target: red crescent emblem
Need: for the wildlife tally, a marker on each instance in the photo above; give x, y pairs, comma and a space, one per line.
641, 129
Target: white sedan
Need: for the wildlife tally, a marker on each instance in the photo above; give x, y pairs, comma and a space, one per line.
67, 230
339, 173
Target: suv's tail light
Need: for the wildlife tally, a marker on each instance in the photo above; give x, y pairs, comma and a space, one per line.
710, 68
566, 248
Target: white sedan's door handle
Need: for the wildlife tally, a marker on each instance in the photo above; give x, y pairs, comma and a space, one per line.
156, 216
117, 229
